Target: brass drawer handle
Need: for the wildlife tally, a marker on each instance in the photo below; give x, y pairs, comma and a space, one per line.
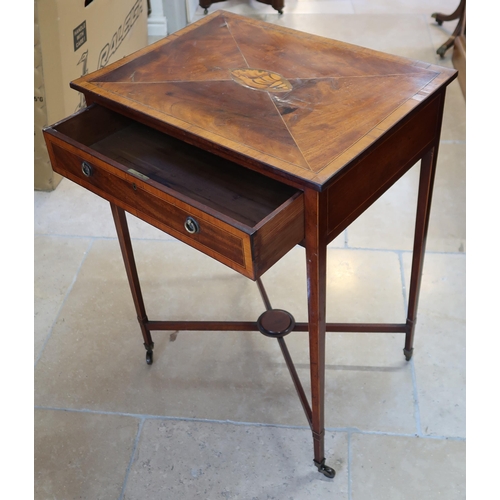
86, 169
191, 226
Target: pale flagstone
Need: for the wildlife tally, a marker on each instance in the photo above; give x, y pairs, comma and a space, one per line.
233, 461
390, 221
439, 358
406, 29
53, 277
81, 455
224, 375
71, 210
454, 123
396, 467
403, 6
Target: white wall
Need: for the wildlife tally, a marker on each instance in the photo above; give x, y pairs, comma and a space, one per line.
157, 21
168, 16
191, 6
175, 10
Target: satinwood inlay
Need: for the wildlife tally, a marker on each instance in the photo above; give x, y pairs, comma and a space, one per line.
261, 79
318, 100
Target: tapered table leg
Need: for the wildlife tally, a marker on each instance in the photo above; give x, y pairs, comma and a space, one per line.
427, 174
315, 209
133, 278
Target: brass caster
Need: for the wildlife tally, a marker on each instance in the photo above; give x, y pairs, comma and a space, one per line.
408, 353
438, 21
442, 51
149, 353
324, 469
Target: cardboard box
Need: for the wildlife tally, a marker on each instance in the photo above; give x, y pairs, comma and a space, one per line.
73, 38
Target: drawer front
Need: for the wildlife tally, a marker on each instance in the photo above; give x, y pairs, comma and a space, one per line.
215, 238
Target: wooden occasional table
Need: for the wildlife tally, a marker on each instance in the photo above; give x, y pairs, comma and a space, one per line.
243, 139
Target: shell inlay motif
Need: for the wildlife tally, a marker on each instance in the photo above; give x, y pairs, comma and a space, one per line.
261, 79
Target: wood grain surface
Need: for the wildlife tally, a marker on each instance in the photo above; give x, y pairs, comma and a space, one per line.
206, 84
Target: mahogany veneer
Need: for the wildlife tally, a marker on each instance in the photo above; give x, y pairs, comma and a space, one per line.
241, 214
243, 139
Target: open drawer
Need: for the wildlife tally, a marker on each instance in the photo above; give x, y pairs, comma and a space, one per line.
237, 216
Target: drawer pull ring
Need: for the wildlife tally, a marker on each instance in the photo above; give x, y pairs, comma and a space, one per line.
86, 169
191, 226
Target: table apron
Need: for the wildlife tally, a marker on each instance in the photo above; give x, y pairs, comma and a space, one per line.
376, 171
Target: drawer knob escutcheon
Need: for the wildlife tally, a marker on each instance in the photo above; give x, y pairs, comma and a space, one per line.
86, 169
191, 226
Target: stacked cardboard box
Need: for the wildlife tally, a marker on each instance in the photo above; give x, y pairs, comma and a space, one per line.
73, 38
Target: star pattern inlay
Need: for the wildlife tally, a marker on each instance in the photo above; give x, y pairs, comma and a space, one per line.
314, 106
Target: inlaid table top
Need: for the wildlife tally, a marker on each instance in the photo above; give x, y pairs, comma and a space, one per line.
274, 99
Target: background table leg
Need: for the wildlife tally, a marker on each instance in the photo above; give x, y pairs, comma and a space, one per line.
458, 14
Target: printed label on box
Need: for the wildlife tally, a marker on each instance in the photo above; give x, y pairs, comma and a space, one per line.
80, 35
119, 35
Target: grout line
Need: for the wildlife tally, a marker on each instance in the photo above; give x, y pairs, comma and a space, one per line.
397, 251
348, 430
171, 418
403, 282
70, 236
109, 238
134, 448
399, 434
349, 465
173, 240
66, 295
416, 402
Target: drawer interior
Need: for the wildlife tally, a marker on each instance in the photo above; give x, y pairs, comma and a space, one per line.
219, 184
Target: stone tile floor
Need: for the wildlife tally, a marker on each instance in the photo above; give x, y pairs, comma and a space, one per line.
216, 415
